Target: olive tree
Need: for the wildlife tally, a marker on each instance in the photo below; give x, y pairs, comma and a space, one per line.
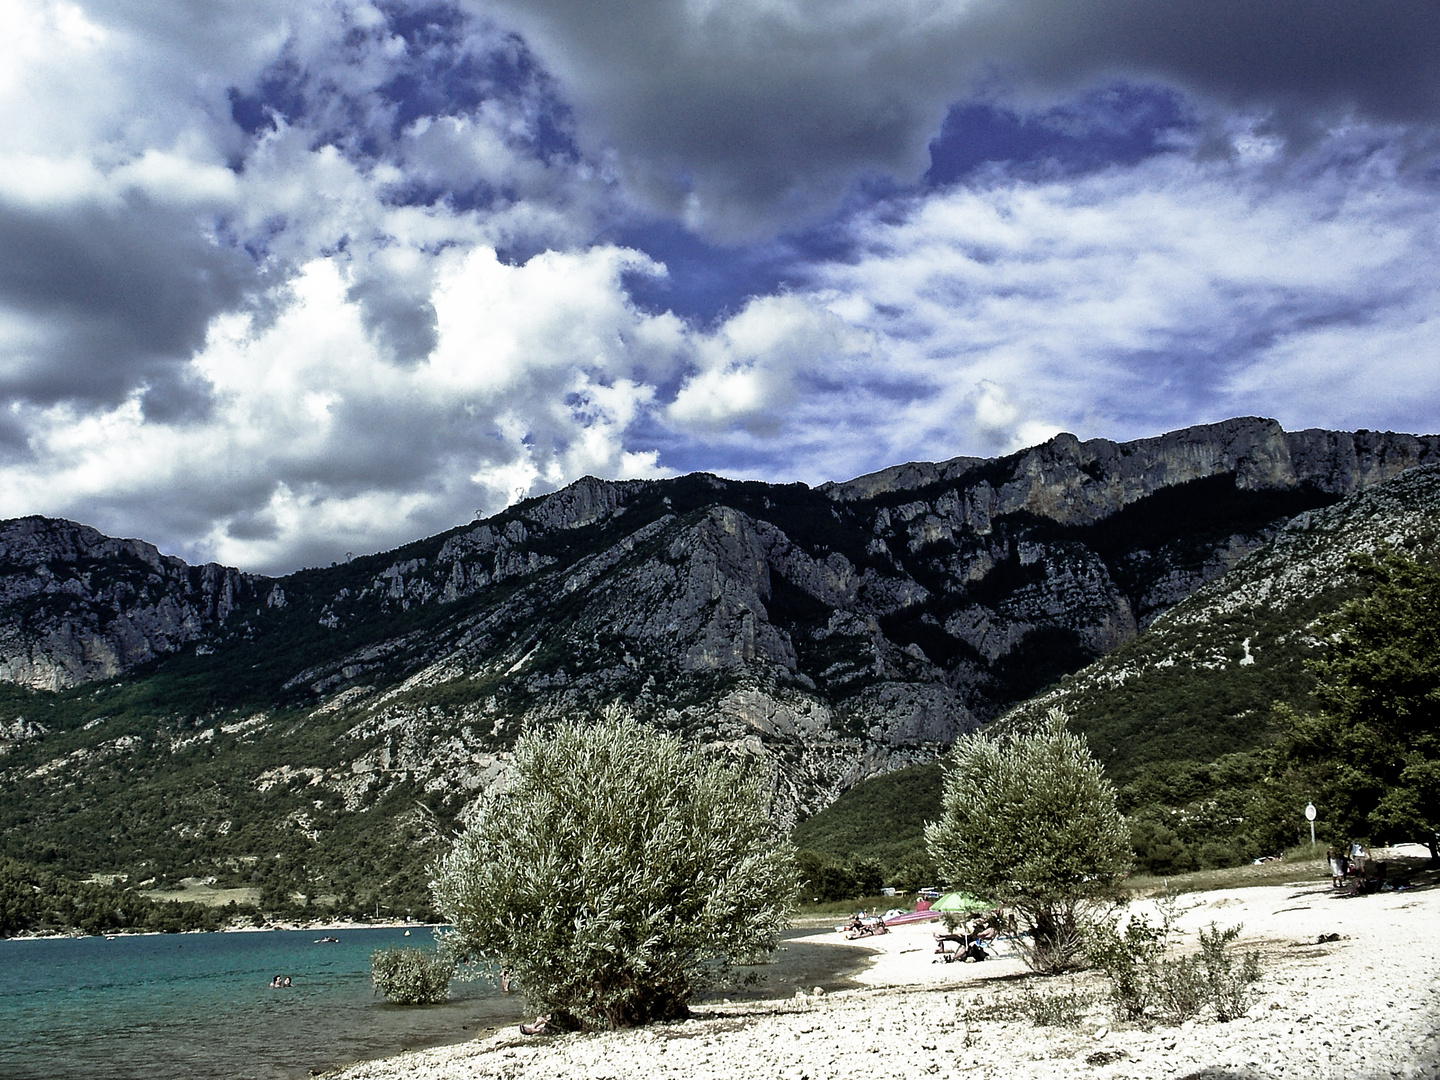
1028, 820
615, 867
411, 976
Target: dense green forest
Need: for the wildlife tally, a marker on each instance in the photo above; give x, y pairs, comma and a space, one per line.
35, 901
169, 797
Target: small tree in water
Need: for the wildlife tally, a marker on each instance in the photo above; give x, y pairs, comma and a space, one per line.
1029, 821
612, 870
411, 976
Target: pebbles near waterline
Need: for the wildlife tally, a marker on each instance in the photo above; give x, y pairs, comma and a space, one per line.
1364, 1006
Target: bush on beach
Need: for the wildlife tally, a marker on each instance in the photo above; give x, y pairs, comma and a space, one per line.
615, 869
1029, 821
1148, 984
411, 976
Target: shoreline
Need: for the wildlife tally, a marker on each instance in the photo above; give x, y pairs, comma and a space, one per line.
383, 924
1367, 1004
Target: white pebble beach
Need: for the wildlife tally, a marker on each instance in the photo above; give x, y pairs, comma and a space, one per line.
1366, 1005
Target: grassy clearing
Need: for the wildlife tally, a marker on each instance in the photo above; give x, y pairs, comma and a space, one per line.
1301, 865
205, 894
1298, 866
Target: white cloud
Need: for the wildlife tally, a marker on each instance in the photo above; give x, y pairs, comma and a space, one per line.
375, 315
318, 442
752, 372
1119, 305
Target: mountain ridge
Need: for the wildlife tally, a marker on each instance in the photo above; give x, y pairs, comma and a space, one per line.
828, 634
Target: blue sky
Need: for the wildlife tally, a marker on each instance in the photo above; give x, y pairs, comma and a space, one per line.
281, 280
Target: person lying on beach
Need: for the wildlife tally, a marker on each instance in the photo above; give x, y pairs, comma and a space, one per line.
965, 949
541, 1026
942, 940
867, 929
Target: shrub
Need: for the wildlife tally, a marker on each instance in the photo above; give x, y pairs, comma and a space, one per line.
1228, 988
1054, 1009
1030, 822
411, 976
615, 870
1147, 984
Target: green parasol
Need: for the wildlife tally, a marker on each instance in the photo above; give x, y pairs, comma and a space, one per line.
960, 901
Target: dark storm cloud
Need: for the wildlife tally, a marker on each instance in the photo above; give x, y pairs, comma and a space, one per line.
744, 117
739, 116
116, 298
1380, 58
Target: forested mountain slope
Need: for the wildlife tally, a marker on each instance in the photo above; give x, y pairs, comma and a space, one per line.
1178, 713
311, 732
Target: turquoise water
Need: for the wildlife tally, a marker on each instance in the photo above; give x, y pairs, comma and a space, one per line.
199, 1006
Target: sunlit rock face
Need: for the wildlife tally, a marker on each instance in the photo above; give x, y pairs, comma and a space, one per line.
832, 633
76, 606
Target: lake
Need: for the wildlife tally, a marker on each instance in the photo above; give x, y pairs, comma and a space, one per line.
200, 1007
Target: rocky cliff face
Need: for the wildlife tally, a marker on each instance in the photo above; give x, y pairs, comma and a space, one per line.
1203, 678
832, 633
76, 606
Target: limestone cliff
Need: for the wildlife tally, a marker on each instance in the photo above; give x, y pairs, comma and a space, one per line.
830, 633
76, 606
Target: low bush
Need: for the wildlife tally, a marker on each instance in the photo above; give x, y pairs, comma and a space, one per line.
1057, 1008
411, 976
1146, 984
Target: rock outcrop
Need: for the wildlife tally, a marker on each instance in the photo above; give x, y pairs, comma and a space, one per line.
831, 633
76, 606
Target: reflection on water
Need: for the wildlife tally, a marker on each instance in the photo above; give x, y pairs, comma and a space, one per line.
200, 1007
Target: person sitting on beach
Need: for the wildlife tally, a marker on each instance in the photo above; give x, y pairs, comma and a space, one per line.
985, 927
867, 927
863, 924
942, 940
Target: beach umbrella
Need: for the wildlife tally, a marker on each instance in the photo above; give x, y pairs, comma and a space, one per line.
960, 901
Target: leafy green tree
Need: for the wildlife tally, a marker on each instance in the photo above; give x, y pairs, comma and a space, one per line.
1029, 821
1373, 749
613, 870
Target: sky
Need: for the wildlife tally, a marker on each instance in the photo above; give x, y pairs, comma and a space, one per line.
285, 280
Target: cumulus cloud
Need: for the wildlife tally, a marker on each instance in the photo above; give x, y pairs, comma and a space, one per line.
325, 445
283, 280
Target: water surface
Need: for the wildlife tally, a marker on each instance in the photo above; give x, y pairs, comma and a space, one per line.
163, 1007
200, 1007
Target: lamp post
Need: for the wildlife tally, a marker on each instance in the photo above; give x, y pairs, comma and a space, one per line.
1310, 817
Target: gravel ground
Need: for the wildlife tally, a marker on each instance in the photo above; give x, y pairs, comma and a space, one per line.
1365, 1005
